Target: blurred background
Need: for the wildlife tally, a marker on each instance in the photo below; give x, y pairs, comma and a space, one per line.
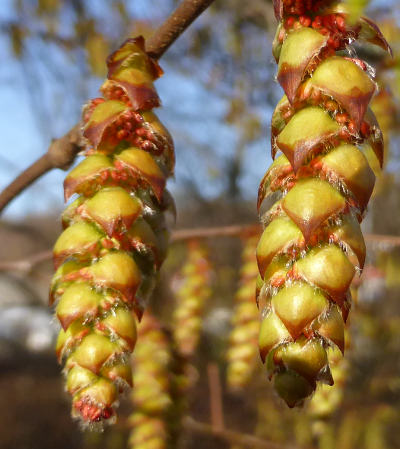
218, 93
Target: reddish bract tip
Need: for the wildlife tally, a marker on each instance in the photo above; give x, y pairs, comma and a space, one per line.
118, 57
90, 412
371, 33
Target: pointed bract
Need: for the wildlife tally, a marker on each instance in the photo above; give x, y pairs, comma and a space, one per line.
298, 50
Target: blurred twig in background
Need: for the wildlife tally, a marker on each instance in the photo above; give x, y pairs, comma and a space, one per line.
62, 152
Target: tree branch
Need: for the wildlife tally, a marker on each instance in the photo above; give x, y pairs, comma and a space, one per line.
26, 264
230, 436
215, 390
218, 231
62, 152
175, 25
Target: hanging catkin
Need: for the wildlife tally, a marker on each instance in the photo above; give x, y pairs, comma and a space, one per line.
115, 235
312, 245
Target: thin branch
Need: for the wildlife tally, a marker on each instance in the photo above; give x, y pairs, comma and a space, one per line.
218, 231
62, 152
28, 263
230, 436
385, 240
236, 438
175, 25
215, 390
251, 229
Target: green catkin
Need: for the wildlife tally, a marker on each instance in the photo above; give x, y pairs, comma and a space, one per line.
115, 236
151, 395
192, 293
312, 245
242, 354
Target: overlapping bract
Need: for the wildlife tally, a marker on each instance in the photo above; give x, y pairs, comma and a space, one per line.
115, 235
242, 353
326, 399
312, 244
192, 292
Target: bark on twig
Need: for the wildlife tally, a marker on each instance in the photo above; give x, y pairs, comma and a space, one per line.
27, 263
230, 436
62, 152
218, 231
175, 25
216, 406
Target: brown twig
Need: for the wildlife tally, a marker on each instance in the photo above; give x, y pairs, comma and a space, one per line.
29, 262
218, 231
26, 264
251, 229
216, 406
237, 438
175, 25
379, 239
62, 152
230, 436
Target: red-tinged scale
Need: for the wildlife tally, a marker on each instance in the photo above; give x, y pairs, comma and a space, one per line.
115, 236
312, 245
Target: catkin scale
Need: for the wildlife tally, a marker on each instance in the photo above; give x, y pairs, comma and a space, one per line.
115, 236
312, 244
